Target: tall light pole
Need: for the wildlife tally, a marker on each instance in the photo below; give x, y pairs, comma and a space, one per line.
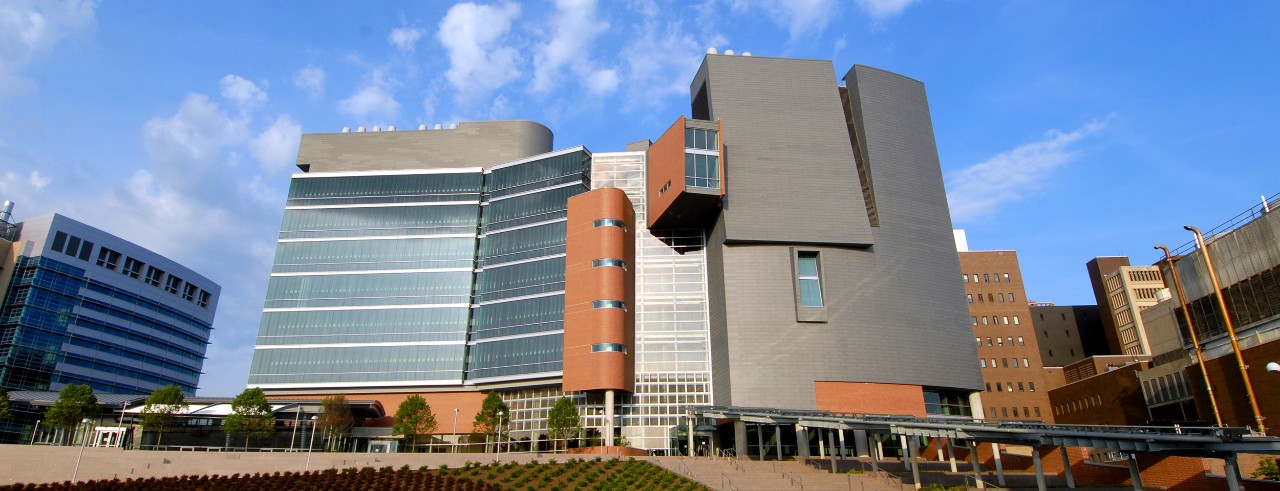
455, 430
83, 441
1191, 328
312, 444
1226, 319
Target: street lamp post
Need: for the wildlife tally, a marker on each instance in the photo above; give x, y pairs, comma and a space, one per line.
83, 441
455, 430
497, 444
312, 444
1191, 328
1231, 330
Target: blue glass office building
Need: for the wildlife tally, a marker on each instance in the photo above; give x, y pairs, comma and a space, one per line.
429, 277
81, 306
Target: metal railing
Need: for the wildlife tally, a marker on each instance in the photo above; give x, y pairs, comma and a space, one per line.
1262, 208
726, 484
795, 480
969, 478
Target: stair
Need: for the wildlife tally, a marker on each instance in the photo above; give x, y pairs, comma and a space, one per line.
726, 474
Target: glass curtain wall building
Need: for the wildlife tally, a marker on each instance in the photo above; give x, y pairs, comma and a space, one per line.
419, 278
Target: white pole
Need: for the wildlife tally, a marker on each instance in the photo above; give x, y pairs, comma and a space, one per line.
83, 441
312, 444
455, 430
34, 431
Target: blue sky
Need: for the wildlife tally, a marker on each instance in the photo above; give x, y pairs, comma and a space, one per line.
1066, 130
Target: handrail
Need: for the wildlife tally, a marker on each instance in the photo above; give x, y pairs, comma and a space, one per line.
795, 480
985, 483
724, 479
685, 468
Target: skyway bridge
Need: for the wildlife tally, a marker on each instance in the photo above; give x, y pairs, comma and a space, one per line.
1212, 442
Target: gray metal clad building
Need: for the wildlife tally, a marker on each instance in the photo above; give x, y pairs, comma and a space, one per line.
847, 180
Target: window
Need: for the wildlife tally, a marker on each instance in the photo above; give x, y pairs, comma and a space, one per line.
1006, 276
1073, 352
982, 362
1021, 342
189, 292
1037, 408
1005, 363
986, 277
610, 222
1001, 297
988, 341
1004, 412
204, 299
1011, 298
969, 297
1051, 353
1020, 387
664, 189
988, 385
1000, 341
59, 241
975, 320
984, 320
1015, 363
810, 283
1010, 338
108, 258
606, 262
993, 363
966, 277
86, 248
999, 387
73, 246
979, 298
991, 297
1015, 320
173, 284
608, 347
1006, 320
1025, 363
997, 277
1032, 386
995, 320
1067, 331
977, 341
132, 268
700, 139
701, 171
154, 275
609, 304
1025, 412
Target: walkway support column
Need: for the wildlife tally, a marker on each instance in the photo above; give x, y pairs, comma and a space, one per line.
876, 455
802, 442
1035, 458
1066, 467
691, 452
977, 466
1134, 472
822, 445
1233, 472
995, 452
830, 441
860, 443
951, 452
740, 439
777, 435
913, 448
841, 435
760, 440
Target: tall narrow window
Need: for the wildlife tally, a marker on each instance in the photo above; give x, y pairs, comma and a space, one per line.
610, 222
810, 282
59, 241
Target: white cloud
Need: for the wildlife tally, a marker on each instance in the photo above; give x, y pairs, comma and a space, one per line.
37, 181
479, 60
241, 91
373, 100
194, 136
277, 145
405, 38
311, 80
883, 9
1014, 175
575, 28
30, 28
799, 17
660, 61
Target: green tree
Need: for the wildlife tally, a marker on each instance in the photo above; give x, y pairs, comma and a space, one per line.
162, 406
4, 405
488, 420
251, 415
75, 403
563, 419
413, 418
335, 418
1267, 469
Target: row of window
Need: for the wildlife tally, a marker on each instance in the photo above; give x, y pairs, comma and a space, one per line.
1008, 387
1004, 363
991, 297
994, 320
1000, 341
1166, 388
1073, 352
76, 247
1004, 412
1077, 405
986, 277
